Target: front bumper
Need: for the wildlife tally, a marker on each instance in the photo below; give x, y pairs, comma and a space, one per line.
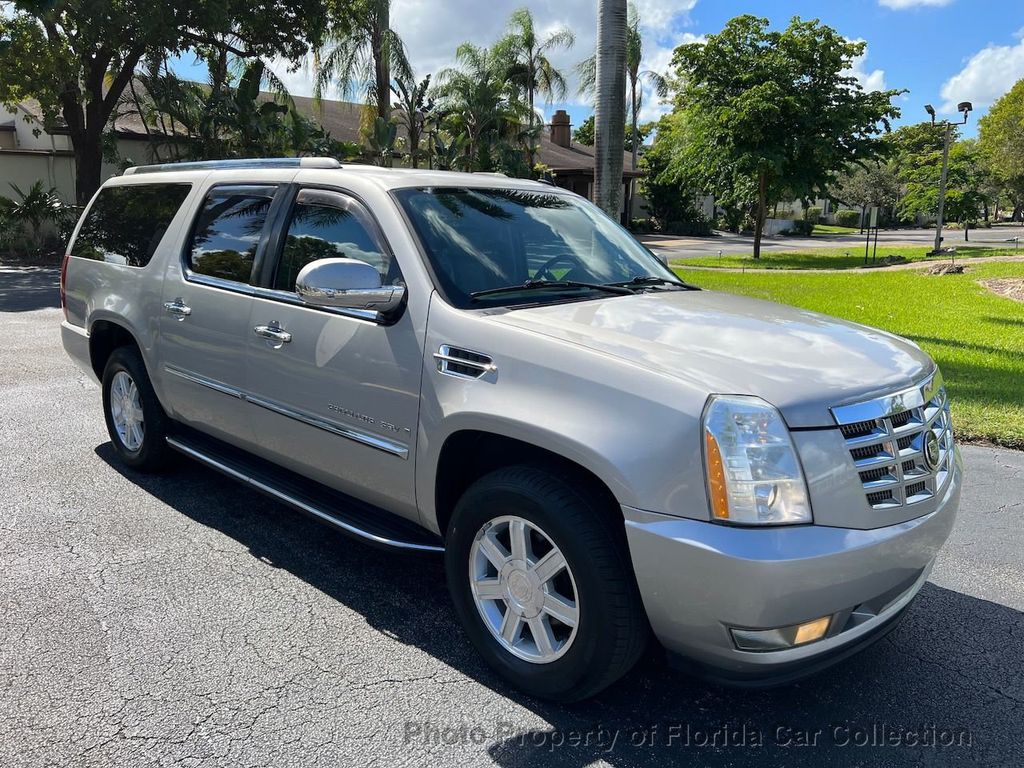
699, 579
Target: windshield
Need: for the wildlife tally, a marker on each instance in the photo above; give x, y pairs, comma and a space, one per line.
478, 240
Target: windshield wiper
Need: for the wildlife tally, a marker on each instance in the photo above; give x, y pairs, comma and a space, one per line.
533, 285
653, 280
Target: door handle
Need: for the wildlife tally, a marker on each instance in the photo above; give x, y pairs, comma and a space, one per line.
178, 308
273, 332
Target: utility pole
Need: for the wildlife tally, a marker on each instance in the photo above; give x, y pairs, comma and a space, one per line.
942, 189
964, 107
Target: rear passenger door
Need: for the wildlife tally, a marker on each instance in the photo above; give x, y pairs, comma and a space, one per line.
207, 299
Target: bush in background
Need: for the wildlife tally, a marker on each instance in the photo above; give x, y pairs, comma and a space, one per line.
847, 218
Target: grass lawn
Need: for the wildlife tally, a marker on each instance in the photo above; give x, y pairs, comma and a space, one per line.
849, 257
976, 337
834, 229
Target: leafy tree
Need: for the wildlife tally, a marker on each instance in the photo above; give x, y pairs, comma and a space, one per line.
635, 79
413, 109
874, 184
774, 113
585, 134
477, 101
1001, 141
671, 194
610, 106
78, 56
529, 67
965, 184
363, 53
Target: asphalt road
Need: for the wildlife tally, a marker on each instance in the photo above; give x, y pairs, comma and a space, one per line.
728, 243
181, 619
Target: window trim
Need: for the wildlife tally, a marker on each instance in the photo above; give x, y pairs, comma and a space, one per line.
182, 206
222, 283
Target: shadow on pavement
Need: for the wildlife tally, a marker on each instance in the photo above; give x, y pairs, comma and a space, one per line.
24, 289
944, 687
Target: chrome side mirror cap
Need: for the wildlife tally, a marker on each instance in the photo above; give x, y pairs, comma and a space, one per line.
347, 284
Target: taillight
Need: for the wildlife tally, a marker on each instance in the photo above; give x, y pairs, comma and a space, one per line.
63, 284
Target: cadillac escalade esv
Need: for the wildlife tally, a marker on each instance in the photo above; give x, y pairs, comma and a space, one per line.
493, 369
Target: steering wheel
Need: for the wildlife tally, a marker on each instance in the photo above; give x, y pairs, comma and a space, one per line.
546, 267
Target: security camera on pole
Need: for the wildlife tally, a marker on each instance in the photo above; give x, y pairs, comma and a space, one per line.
964, 107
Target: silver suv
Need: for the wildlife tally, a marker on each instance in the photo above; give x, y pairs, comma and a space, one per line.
491, 368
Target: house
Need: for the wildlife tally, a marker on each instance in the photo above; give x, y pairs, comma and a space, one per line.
29, 152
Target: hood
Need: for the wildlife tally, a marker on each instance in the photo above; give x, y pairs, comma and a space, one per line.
801, 362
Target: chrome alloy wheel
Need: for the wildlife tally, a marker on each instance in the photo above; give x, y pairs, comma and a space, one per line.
524, 590
126, 411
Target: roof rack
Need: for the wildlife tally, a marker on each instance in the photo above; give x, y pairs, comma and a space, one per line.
222, 165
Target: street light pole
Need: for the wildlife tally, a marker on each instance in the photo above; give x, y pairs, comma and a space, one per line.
942, 189
965, 108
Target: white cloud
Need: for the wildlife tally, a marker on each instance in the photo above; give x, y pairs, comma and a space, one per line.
986, 76
658, 58
870, 80
899, 5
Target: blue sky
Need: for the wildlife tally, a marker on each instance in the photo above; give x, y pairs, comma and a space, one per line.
942, 51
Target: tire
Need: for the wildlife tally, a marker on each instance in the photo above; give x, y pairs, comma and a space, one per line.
610, 630
145, 448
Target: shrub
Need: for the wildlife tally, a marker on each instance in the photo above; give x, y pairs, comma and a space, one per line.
812, 216
848, 218
802, 228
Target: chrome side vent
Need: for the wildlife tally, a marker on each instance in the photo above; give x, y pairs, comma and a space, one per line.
462, 363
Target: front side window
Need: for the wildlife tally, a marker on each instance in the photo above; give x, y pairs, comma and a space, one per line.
479, 240
327, 225
228, 231
126, 223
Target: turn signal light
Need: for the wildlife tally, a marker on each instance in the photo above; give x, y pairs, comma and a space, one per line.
717, 489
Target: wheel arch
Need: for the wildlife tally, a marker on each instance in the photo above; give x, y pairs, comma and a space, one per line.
106, 335
469, 454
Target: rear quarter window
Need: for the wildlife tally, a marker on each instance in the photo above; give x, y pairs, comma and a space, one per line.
125, 224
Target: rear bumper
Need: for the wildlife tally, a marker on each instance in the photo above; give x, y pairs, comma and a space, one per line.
76, 343
699, 580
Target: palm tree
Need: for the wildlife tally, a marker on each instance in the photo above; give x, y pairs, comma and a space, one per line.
586, 70
414, 108
527, 58
477, 101
363, 53
610, 76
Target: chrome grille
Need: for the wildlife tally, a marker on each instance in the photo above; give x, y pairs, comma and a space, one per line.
888, 440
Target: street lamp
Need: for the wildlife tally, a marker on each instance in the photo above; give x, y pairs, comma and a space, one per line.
964, 107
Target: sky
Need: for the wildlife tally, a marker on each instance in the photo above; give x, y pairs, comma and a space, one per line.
941, 51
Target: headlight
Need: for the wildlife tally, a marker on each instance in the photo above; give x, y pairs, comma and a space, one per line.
753, 474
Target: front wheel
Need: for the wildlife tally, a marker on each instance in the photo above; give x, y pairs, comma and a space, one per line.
542, 583
135, 419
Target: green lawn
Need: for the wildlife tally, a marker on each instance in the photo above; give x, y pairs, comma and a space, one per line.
834, 258
834, 229
976, 336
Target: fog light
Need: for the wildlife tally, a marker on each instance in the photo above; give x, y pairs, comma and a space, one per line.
781, 638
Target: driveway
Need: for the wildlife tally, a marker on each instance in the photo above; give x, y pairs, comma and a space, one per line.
692, 247
151, 620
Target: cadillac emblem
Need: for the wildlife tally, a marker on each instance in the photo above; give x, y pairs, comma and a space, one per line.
932, 454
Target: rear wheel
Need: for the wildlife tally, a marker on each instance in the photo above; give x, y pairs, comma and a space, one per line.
135, 420
542, 583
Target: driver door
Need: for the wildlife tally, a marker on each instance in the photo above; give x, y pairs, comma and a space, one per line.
334, 393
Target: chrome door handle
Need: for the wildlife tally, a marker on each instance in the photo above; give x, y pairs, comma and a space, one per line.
273, 333
179, 308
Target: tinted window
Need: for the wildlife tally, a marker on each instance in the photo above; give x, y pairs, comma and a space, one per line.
228, 232
327, 225
126, 224
482, 239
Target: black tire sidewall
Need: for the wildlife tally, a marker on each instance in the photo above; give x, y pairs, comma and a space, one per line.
152, 452
571, 676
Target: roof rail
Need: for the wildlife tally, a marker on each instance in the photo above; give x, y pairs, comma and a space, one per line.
221, 165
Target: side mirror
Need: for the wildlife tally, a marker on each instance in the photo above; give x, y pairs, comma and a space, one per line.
347, 284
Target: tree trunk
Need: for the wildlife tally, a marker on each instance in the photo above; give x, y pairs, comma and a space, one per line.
610, 107
762, 205
382, 60
88, 148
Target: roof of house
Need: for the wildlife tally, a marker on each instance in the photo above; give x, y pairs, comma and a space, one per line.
342, 119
